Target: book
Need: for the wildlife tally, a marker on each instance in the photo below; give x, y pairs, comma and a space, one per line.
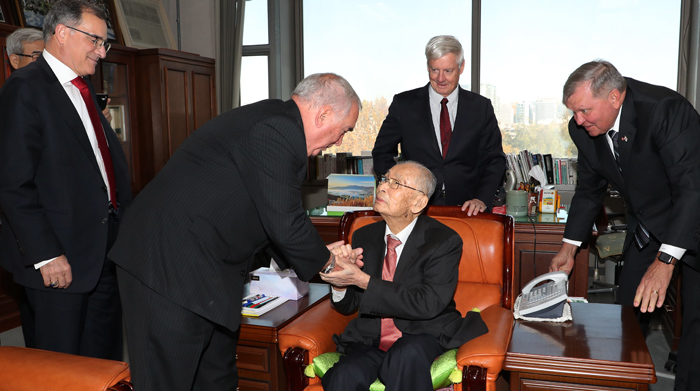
256, 305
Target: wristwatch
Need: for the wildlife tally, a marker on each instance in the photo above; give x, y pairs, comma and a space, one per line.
666, 258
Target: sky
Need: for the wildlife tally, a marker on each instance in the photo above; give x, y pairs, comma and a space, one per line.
529, 47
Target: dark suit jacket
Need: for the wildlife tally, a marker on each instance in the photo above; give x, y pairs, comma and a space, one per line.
475, 163
659, 146
53, 198
420, 299
230, 190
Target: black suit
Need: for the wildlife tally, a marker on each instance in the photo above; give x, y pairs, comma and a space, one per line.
53, 198
659, 141
475, 163
420, 299
232, 189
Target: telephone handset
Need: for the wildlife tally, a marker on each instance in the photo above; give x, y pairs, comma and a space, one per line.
546, 300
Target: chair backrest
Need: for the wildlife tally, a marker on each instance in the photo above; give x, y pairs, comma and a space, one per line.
486, 266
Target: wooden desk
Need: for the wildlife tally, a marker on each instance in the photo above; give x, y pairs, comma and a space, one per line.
602, 347
259, 360
540, 239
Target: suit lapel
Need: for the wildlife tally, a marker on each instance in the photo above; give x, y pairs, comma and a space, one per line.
427, 115
410, 252
628, 131
375, 250
607, 160
65, 111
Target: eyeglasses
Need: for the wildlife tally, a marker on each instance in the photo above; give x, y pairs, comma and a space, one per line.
34, 55
394, 184
96, 40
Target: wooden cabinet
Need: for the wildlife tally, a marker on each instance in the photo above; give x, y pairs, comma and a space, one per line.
176, 96
536, 243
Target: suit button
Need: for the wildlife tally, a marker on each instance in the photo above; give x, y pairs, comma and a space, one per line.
444, 166
104, 189
243, 273
104, 221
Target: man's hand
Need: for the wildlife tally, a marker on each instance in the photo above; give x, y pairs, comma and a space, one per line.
59, 271
106, 112
651, 291
473, 207
346, 274
564, 260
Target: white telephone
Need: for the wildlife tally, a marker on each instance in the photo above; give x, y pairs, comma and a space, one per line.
546, 300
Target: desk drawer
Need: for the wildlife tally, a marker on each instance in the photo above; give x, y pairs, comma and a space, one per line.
253, 358
249, 385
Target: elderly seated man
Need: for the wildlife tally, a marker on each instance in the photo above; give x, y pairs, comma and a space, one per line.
402, 287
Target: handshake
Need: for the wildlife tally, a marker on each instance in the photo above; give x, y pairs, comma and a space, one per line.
344, 267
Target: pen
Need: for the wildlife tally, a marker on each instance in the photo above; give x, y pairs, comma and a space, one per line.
262, 303
252, 299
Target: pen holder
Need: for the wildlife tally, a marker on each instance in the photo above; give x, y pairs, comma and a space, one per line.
516, 203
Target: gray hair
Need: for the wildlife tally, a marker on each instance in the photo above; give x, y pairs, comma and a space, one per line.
426, 181
604, 77
444, 44
15, 41
70, 13
330, 89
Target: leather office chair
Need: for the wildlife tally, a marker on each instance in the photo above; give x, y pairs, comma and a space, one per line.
485, 282
23, 369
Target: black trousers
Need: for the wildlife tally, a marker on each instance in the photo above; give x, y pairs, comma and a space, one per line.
87, 324
687, 376
405, 366
172, 348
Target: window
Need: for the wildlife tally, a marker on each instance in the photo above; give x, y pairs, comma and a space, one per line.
256, 52
379, 48
529, 48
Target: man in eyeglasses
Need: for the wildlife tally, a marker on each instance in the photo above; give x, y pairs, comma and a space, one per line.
64, 183
409, 318
24, 46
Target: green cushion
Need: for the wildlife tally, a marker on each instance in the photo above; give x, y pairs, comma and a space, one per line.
443, 372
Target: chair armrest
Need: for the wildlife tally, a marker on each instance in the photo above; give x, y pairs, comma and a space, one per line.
26, 369
313, 330
488, 351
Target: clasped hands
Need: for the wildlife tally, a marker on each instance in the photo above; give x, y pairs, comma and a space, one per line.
347, 270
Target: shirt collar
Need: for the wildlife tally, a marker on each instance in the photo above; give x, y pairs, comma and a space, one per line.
436, 98
63, 73
404, 234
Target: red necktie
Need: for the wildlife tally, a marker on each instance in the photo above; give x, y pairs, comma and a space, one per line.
99, 134
389, 331
445, 127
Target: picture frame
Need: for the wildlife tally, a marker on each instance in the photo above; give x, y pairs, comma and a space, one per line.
8, 13
118, 122
144, 24
33, 12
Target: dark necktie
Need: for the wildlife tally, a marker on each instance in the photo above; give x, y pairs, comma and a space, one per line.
614, 134
641, 234
99, 134
445, 127
389, 333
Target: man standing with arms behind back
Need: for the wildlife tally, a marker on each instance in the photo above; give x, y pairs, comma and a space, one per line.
451, 131
64, 183
232, 189
643, 140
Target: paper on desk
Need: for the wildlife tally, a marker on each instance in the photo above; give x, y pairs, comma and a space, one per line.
539, 175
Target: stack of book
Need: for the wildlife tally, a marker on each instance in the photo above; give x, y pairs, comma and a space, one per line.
321, 166
559, 171
256, 305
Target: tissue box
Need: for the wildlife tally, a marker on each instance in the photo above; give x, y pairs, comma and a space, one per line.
283, 283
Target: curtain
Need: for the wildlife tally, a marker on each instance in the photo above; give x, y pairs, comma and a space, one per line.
231, 50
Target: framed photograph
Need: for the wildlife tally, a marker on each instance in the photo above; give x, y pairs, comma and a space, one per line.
117, 112
8, 12
33, 12
144, 24
350, 192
